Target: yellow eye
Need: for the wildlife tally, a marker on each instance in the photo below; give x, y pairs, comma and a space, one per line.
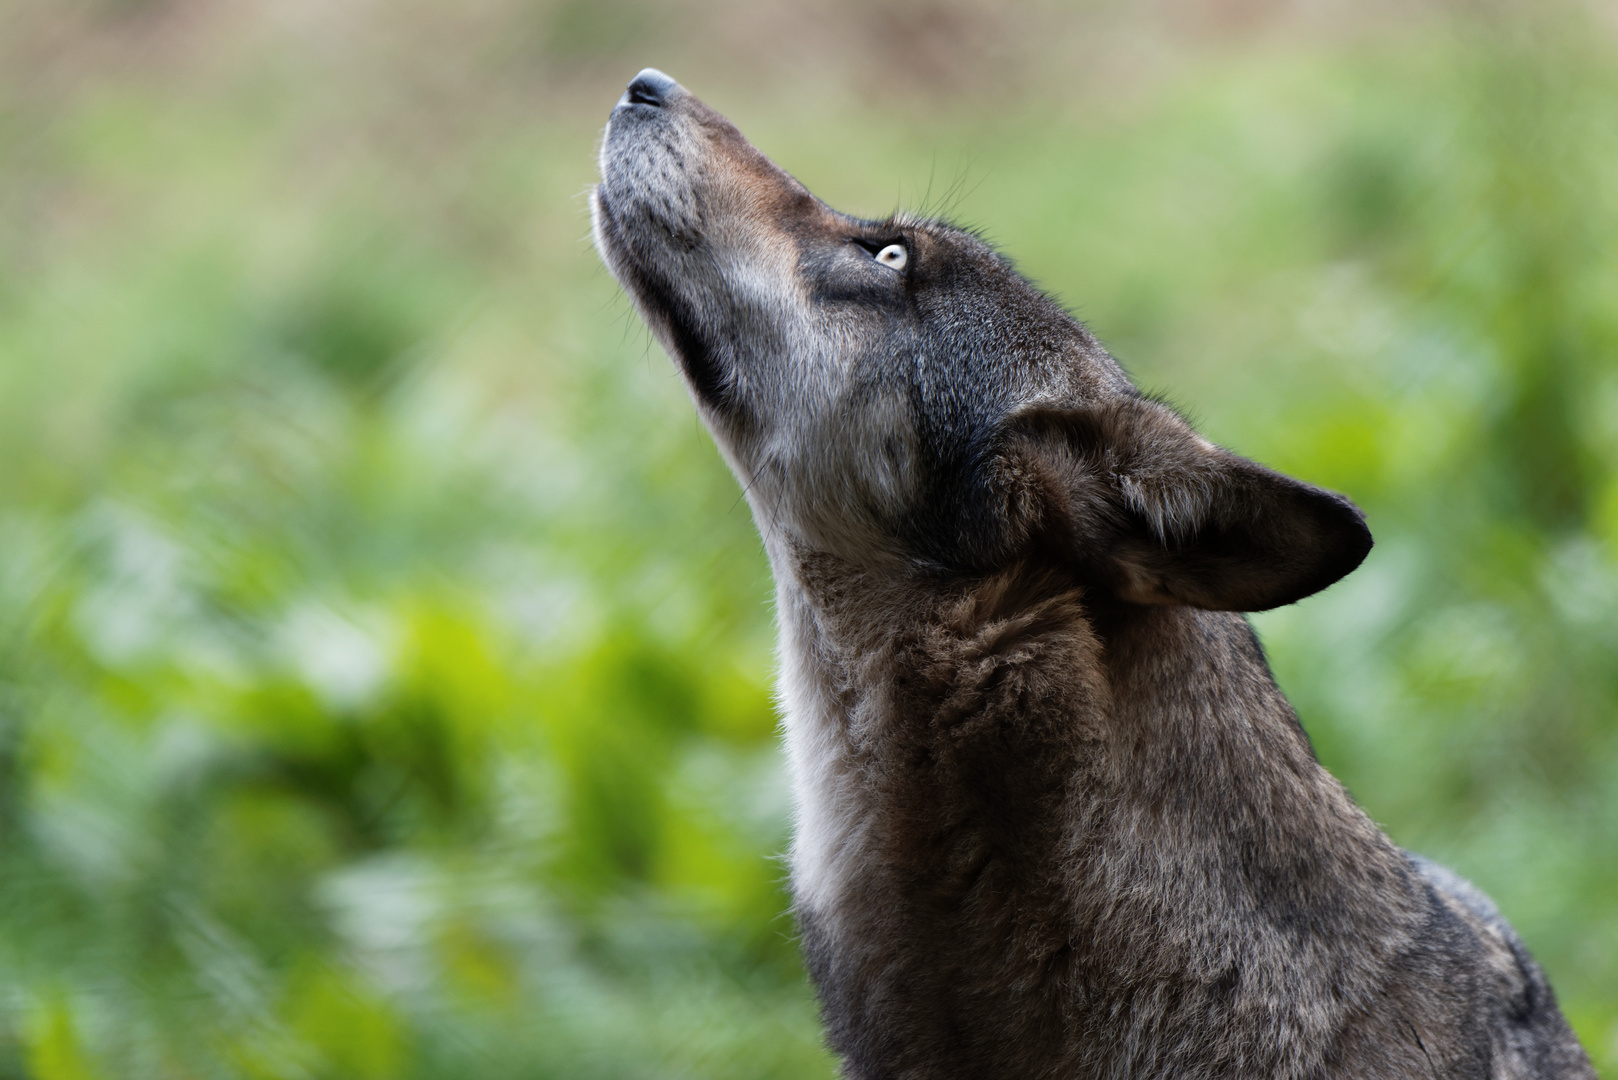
894, 255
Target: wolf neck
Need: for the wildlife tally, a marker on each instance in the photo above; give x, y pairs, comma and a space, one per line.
987, 784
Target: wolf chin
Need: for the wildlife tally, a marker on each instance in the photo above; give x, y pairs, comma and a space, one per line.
1054, 818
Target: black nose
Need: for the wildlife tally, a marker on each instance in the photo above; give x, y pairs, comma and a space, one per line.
650, 87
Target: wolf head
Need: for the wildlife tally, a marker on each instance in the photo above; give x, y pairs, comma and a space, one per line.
893, 392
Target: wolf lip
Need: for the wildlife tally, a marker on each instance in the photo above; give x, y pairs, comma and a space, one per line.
660, 302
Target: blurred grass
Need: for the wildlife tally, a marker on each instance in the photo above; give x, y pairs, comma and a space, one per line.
384, 652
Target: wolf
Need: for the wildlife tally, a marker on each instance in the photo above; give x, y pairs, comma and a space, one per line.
1054, 818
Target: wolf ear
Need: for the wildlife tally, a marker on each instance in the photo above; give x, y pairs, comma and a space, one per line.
1159, 515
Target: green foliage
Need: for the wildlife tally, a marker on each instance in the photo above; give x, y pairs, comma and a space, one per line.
384, 651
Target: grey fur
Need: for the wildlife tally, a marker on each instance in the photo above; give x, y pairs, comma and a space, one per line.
1055, 819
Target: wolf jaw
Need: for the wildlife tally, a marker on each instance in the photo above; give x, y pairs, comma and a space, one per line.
1054, 817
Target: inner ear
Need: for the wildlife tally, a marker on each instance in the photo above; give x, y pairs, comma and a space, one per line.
1147, 508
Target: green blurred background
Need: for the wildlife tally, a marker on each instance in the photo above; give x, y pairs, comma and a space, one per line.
385, 653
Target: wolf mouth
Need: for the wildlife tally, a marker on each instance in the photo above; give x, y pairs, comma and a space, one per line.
664, 310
